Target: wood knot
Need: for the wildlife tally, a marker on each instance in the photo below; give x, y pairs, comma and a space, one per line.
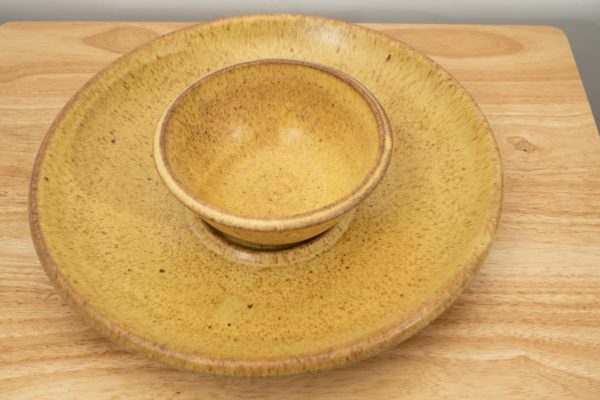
459, 43
121, 40
522, 144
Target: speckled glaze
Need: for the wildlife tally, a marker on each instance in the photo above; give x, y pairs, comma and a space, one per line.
273, 152
119, 248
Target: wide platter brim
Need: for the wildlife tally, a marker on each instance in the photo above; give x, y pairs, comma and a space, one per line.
118, 248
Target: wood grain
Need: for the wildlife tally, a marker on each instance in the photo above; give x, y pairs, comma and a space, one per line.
528, 326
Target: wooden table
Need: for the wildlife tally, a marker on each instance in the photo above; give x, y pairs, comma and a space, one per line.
528, 326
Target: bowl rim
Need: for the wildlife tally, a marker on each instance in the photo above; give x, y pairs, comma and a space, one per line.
314, 217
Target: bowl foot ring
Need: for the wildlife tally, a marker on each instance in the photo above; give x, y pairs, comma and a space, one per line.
238, 251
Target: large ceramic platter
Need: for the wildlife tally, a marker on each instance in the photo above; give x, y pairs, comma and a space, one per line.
122, 251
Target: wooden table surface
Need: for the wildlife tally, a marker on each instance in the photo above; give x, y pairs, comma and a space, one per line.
527, 327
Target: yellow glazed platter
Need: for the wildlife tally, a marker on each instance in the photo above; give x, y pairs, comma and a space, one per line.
127, 256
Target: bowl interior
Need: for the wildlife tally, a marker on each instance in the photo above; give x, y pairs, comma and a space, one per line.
271, 139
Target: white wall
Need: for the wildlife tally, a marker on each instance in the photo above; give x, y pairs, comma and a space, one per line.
579, 18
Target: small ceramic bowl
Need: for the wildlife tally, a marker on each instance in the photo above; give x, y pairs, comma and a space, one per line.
273, 152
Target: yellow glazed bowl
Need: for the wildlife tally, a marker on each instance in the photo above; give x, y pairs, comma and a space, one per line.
273, 152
